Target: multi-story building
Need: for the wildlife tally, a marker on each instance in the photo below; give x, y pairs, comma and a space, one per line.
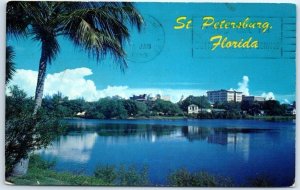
141, 98
222, 96
253, 98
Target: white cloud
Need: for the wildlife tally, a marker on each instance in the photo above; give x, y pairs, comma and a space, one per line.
243, 86
26, 80
175, 94
268, 95
72, 83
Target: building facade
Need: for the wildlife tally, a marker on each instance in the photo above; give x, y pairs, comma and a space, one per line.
254, 98
193, 109
222, 96
141, 98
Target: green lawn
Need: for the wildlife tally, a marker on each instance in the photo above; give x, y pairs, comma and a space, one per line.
37, 176
39, 173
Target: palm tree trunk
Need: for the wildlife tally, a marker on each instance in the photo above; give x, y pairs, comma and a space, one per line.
40, 81
21, 167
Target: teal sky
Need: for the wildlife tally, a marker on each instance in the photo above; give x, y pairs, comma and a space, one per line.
173, 62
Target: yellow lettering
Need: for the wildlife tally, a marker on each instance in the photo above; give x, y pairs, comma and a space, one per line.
218, 39
207, 21
266, 26
223, 42
181, 24
188, 24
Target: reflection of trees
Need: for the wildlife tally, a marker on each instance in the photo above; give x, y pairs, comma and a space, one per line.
196, 133
146, 131
135, 130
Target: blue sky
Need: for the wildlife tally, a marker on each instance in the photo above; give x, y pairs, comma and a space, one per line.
176, 64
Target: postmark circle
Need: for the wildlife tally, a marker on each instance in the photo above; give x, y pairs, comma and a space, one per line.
147, 44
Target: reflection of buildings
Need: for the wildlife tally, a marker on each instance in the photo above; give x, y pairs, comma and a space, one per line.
237, 142
196, 133
76, 148
218, 138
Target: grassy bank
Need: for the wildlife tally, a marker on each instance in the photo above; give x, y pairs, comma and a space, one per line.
272, 118
40, 173
264, 117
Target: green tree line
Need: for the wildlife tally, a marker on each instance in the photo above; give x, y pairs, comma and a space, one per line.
118, 108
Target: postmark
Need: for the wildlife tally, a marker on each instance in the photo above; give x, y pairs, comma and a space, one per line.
148, 43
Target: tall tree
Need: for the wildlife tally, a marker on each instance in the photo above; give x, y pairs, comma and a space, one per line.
97, 27
10, 64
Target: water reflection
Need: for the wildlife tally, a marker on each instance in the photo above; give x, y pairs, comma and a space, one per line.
233, 148
236, 140
74, 147
239, 142
79, 141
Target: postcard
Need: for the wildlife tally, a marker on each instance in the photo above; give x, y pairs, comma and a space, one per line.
159, 94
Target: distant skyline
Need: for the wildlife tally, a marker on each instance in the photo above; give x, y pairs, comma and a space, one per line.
173, 71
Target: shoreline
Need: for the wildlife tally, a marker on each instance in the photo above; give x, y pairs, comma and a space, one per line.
263, 118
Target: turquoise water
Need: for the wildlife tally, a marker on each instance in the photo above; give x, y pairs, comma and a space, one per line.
238, 149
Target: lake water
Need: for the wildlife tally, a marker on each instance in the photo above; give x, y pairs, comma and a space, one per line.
238, 149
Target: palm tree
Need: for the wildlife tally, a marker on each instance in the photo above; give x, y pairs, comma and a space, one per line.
10, 65
98, 28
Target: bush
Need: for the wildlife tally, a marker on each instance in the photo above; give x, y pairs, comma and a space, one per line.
133, 177
123, 176
106, 173
184, 178
261, 180
38, 162
23, 131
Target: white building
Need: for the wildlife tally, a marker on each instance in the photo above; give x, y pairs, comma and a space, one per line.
193, 109
224, 96
159, 97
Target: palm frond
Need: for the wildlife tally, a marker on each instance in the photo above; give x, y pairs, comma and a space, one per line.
10, 64
100, 27
50, 45
16, 20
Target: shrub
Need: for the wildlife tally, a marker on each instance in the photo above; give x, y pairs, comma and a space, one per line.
107, 173
184, 178
23, 131
38, 162
123, 176
133, 177
261, 180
